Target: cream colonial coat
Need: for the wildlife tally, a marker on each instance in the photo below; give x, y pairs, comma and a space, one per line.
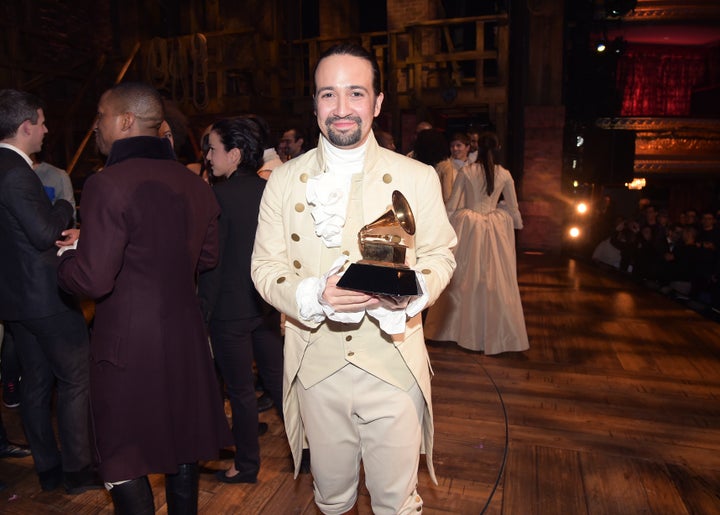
287, 251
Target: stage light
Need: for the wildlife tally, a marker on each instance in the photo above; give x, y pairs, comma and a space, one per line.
582, 208
601, 46
618, 46
618, 8
574, 232
637, 184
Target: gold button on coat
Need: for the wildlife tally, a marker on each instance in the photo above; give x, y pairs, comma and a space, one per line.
387, 178
295, 237
299, 207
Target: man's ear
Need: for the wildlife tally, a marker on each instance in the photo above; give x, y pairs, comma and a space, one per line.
127, 120
25, 128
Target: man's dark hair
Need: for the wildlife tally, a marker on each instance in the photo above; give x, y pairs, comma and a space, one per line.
299, 134
244, 134
141, 99
431, 147
16, 107
355, 51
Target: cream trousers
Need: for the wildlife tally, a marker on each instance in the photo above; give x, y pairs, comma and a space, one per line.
353, 416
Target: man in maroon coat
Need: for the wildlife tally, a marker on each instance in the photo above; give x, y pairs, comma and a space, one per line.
148, 226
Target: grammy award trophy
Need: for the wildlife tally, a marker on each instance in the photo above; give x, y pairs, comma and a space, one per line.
382, 269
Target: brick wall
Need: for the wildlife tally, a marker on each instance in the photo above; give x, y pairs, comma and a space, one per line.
542, 207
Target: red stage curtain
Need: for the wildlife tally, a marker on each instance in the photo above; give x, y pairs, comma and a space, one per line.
658, 81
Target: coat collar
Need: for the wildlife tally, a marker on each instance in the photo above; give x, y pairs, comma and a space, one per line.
148, 147
371, 156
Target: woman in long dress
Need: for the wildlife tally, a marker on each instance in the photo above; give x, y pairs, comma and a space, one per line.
481, 309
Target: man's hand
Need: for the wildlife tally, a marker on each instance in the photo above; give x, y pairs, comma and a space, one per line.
346, 301
393, 303
69, 242
70, 237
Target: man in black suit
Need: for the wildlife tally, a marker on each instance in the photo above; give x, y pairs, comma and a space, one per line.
49, 330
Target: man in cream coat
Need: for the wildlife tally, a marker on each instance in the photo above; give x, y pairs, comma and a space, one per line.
357, 373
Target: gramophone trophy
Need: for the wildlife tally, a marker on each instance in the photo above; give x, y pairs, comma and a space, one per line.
382, 269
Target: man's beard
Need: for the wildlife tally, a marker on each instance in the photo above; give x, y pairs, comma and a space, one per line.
344, 139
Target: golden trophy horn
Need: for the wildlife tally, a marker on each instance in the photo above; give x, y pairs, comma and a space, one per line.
383, 244
386, 239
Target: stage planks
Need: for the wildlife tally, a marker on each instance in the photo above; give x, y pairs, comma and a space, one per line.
615, 409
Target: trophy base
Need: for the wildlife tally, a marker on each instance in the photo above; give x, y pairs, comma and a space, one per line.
380, 280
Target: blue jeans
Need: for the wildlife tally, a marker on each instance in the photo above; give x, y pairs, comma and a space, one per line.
55, 349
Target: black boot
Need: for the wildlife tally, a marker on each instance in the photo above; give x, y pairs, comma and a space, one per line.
133, 498
181, 490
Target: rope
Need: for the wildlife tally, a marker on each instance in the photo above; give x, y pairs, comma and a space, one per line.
156, 65
179, 71
199, 55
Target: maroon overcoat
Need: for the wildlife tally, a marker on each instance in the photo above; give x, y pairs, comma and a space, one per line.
149, 225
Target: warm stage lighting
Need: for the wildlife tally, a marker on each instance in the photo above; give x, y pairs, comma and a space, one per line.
574, 232
637, 184
617, 8
600, 47
582, 208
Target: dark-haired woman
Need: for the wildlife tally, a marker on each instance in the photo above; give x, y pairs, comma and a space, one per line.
242, 326
481, 309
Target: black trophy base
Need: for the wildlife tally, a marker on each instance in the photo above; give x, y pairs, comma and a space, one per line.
381, 280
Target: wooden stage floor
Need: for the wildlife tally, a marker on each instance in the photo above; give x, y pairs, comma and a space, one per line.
615, 410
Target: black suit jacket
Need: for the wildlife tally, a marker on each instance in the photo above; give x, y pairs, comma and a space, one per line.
29, 226
227, 292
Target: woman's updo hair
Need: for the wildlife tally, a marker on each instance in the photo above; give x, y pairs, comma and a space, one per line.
243, 134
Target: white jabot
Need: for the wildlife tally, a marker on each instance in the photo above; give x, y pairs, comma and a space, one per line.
328, 192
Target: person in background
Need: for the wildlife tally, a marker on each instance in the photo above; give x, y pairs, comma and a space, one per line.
242, 325
473, 135
271, 159
7, 448
432, 149
459, 148
56, 181
292, 143
385, 139
149, 228
421, 126
357, 375
481, 308
50, 334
